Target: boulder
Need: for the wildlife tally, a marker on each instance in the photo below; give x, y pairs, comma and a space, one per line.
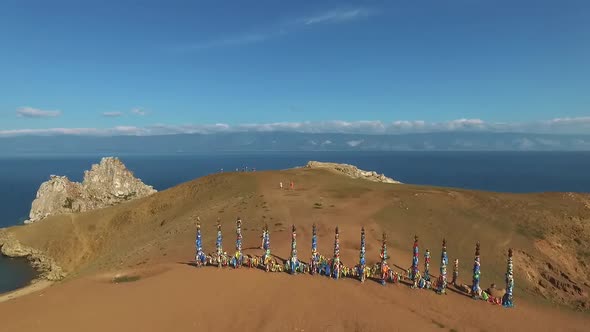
496, 292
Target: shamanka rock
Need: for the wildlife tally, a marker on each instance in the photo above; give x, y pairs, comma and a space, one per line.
352, 171
105, 184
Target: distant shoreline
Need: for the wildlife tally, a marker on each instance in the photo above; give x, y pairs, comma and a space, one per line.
255, 152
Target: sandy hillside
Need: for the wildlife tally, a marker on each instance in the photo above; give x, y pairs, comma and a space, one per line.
153, 239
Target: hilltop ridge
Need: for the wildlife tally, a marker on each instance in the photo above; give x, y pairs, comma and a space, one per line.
145, 237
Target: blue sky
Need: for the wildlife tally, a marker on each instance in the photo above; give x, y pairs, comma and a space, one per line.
184, 66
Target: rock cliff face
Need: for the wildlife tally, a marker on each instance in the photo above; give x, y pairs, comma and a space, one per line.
352, 171
105, 184
48, 269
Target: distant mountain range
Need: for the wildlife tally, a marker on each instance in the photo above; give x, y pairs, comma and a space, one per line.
290, 141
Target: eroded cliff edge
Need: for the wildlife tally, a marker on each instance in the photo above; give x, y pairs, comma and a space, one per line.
45, 265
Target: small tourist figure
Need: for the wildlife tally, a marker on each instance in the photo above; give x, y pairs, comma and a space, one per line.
455, 272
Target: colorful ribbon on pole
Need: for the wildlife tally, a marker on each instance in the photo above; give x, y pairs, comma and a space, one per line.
455, 272
237, 259
507, 300
200, 256
219, 244
427, 265
384, 266
475, 289
336, 259
414, 270
442, 280
293, 262
266, 256
315, 257
362, 262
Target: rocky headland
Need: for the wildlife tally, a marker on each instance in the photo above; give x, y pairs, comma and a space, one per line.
352, 171
105, 184
45, 265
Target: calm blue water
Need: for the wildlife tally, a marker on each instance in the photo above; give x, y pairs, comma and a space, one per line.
20, 177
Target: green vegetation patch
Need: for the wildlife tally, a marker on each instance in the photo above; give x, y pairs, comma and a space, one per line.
530, 231
121, 279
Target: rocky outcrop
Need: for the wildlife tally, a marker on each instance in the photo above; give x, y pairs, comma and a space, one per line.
553, 278
45, 265
105, 184
352, 171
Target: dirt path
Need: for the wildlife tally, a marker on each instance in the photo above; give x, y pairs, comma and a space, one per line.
32, 288
183, 298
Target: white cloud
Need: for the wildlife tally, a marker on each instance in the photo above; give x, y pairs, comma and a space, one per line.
30, 112
585, 120
548, 142
138, 111
354, 143
572, 126
120, 130
276, 30
465, 123
524, 143
337, 16
408, 124
112, 114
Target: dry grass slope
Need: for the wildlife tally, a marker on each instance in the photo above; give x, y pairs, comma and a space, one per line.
550, 232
